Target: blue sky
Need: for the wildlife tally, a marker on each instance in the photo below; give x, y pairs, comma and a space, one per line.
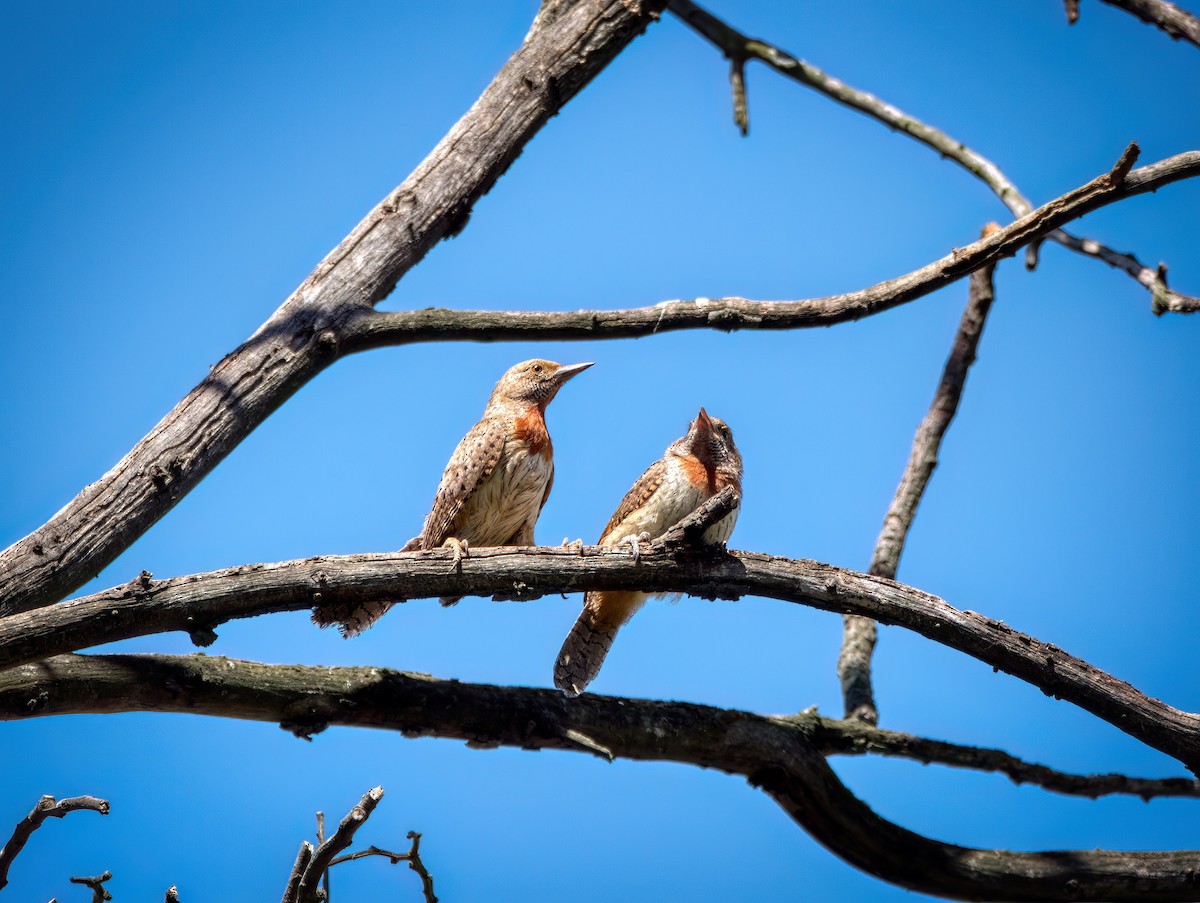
172, 172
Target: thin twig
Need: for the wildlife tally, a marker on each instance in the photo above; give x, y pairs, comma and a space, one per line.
96, 883
46, 807
172, 895
412, 857
859, 634
735, 45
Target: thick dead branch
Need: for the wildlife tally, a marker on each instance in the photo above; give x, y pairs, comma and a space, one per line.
738, 47
1178, 23
783, 755
205, 600
302, 337
320, 861
859, 634
412, 857
47, 807
307, 699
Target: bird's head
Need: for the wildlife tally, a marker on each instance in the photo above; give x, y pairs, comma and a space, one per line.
711, 440
534, 382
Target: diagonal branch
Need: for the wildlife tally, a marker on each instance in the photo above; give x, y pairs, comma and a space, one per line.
47, 807
859, 634
301, 338
1178, 23
783, 755
322, 858
197, 603
738, 47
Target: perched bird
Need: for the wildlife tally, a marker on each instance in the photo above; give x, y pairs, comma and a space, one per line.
496, 483
693, 470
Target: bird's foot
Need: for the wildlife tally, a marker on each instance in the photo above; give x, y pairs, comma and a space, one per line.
461, 551
575, 545
633, 541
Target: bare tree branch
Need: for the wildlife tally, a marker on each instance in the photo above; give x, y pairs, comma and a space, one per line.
319, 864
110, 514
47, 807
205, 600
374, 329
781, 754
308, 699
853, 737
859, 634
412, 857
303, 858
1178, 23
302, 337
99, 893
738, 48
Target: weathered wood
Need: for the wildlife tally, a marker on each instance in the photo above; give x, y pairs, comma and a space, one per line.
302, 336
197, 603
779, 754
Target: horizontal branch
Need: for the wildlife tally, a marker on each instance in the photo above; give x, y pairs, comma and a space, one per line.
373, 329
47, 807
301, 338
851, 736
782, 755
738, 47
196, 604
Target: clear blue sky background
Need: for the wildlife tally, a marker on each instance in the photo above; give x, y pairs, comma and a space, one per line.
171, 172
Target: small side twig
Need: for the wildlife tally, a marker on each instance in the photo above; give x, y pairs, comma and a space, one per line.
96, 883
412, 857
859, 634
341, 838
1072, 11
47, 807
692, 527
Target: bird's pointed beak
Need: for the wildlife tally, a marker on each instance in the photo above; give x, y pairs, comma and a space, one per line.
705, 420
565, 373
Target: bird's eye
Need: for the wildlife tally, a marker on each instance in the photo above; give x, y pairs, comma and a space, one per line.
537, 368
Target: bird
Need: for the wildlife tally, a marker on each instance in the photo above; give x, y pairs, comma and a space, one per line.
494, 485
694, 469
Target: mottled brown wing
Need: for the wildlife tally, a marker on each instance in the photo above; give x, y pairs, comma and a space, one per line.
647, 484
472, 462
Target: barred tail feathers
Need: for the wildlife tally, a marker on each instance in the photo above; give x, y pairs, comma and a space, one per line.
350, 620
587, 645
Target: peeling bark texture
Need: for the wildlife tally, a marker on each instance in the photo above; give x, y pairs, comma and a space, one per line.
738, 48
782, 755
303, 336
197, 603
1178, 23
859, 634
